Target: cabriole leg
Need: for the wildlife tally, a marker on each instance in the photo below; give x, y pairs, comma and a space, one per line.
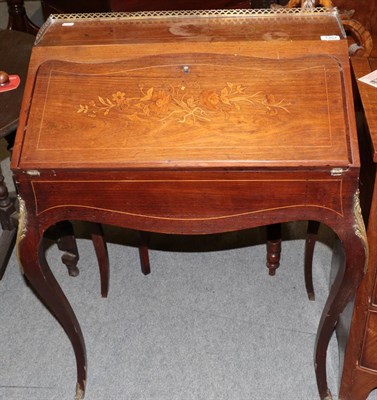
37, 271
342, 291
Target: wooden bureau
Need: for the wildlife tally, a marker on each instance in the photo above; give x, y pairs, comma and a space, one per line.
189, 123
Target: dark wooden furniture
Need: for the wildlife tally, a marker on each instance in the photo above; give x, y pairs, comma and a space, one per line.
243, 119
18, 19
360, 367
15, 48
365, 14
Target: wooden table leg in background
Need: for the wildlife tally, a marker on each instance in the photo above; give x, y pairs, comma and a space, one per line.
8, 220
18, 19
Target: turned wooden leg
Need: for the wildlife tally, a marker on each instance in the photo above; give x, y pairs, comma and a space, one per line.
8, 221
273, 248
62, 233
311, 238
18, 19
37, 272
7, 241
100, 248
143, 253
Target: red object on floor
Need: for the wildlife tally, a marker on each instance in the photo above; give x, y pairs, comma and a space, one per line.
14, 82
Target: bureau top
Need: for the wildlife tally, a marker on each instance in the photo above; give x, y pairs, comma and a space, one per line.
176, 26
212, 89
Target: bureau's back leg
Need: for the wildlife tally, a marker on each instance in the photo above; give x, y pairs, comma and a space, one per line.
273, 248
311, 238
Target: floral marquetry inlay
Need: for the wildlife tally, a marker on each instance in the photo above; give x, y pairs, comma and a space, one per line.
184, 105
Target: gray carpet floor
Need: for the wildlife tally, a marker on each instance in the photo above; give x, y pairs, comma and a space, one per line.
207, 324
